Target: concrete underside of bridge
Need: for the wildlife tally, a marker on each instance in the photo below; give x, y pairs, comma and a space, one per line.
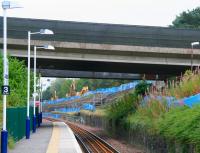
109, 70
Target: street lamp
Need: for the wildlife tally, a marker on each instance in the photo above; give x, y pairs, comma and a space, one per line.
45, 32
34, 94
5, 88
192, 45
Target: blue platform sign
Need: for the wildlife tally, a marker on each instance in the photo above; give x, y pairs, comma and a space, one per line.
5, 90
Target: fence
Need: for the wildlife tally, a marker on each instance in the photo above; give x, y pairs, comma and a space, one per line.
172, 101
16, 121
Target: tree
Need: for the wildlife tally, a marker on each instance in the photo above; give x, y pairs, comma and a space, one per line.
142, 87
188, 19
46, 95
62, 86
17, 82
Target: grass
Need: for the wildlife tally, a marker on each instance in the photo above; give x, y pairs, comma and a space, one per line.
180, 124
189, 85
122, 107
99, 112
65, 113
11, 143
146, 117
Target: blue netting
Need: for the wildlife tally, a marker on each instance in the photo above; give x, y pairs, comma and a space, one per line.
88, 107
192, 100
172, 101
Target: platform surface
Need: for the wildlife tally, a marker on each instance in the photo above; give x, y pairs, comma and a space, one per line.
54, 137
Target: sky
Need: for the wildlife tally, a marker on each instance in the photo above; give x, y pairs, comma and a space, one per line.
132, 12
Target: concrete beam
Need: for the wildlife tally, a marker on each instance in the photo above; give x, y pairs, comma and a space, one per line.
117, 58
87, 74
104, 47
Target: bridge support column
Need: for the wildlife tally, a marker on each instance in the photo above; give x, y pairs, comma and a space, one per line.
4, 141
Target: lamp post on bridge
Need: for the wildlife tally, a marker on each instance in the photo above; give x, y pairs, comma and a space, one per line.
43, 32
5, 88
192, 45
34, 93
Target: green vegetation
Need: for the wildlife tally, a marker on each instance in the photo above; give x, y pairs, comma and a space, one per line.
188, 19
118, 110
182, 124
17, 82
142, 88
99, 112
11, 143
189, 85
155, 118
18, 86
126, 104
146, 117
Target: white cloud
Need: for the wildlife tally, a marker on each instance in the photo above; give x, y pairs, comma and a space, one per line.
136, 12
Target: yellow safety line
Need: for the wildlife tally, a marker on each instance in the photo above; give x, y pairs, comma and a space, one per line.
55, 140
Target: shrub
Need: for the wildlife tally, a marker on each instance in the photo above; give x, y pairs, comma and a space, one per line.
182, 124
147, 115
17, 82
189, 85
120, 109
142, 87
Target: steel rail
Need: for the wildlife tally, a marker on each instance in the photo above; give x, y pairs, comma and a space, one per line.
90, 142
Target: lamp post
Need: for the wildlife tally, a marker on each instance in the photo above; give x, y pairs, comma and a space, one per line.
41, 102
34, 94
5, 88
192, 45
42, 31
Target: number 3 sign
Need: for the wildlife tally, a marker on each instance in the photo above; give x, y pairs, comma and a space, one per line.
5, 90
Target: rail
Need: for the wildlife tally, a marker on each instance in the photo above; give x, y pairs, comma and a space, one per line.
89, 141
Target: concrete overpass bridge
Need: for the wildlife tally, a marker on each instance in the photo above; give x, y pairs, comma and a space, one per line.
88, 49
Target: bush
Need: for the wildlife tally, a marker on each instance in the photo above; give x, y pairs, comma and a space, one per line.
146, 116
17, 82
181, 124
189, 85
142, 87
120, 109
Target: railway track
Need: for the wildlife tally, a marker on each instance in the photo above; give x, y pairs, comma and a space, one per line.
89, 141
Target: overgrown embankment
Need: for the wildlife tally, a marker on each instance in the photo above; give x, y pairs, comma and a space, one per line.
155, 125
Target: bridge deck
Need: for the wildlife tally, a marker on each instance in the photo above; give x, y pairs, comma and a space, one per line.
54, 137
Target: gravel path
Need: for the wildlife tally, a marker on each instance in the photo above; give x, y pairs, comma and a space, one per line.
120, 145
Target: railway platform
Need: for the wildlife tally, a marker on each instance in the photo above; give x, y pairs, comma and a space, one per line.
51, 137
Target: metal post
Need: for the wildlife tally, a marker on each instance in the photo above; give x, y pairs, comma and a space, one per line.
4, 133
34, 94
38, 119
41, 105
192, 59
28, 89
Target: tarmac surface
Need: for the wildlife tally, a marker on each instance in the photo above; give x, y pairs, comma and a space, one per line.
38, 141
54, 137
